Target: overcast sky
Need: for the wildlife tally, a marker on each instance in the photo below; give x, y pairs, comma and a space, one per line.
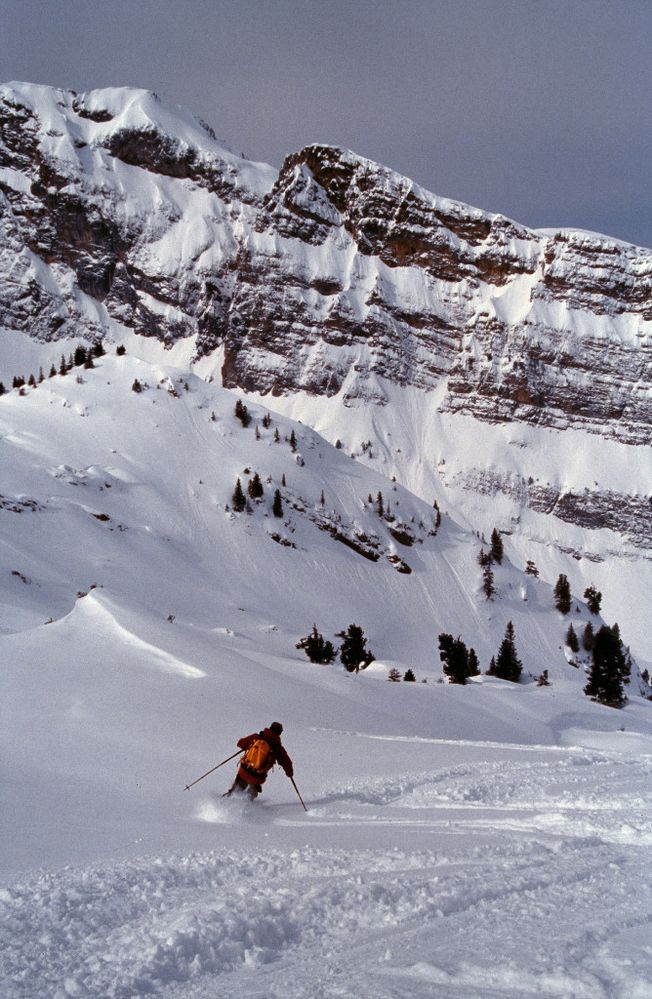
539, 109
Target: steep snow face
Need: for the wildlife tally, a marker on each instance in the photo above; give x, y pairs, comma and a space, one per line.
504, 371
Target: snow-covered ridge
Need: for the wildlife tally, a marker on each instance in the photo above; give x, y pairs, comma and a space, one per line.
352, 299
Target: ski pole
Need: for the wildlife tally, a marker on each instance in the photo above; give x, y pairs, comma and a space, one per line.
298, 795
188, 786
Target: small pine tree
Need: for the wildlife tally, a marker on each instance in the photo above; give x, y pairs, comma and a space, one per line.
267, 421
497, 549
507, 665
98, 349
277, 504
293, 441
437, 515
572, 640
354, 653
593, 599
79, 357
562, 594
588, 637
409, 676
31, 381
242, 413
455, 658
488, 584
238, 499
609, 669
41, 376
283, 482
255, 487
277, 436
484, 558
531, 569
53, 372
121, 350
317, 650
393, 676
63, 367
136, 386
380, 509
257, 432
473, 664
89, 362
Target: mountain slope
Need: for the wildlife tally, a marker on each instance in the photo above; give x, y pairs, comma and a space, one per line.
145, 627
504, 372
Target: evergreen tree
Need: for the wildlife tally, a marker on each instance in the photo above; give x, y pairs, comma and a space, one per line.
454, 656
437, 515
608, 670
317, 650
488, 582
41, 376
354, 653
283, 482
507, 665
293, 441
380, 509
31, 381
497, 550
572, 640
242, 413
121, 350
136, 386
98, 349
484, 558
322, 499
277, 436
473, 664
593, 599
89, 363
63, 367
588, 637
267, 421
562, 594
257, 433
2, 389
393, 676
277, 505
531, 568
238, 499
409, 676
53, 372
79, 356
255, 487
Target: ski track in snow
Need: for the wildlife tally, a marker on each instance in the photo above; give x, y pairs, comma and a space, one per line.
537, 884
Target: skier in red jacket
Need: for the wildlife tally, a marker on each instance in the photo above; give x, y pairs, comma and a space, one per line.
262, 751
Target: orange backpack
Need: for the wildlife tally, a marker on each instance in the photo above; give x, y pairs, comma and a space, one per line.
258, 759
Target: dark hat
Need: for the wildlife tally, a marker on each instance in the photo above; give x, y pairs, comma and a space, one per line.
276, 727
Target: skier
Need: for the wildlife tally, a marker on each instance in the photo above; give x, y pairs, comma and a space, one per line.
262, 751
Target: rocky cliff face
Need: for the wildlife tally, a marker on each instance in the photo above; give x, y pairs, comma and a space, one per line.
332, 277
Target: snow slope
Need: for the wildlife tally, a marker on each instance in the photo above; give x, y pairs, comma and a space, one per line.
488, 840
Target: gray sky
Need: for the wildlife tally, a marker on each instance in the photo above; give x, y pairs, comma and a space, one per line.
539, 109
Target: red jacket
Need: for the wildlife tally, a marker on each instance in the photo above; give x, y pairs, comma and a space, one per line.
279, 755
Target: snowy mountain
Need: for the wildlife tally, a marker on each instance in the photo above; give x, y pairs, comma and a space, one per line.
146, 625
504, 372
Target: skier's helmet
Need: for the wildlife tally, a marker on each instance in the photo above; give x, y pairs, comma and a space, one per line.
276, 727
